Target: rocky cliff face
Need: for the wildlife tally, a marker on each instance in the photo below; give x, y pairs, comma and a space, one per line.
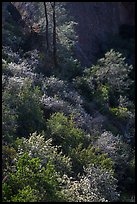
96, 21
127, 13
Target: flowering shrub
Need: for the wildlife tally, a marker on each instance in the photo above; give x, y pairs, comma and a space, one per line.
19, 67
37, 166
112, 70
114, 147
54, 87
37, 172
36, 146
58, 95
54, 147
9, 55
97, 185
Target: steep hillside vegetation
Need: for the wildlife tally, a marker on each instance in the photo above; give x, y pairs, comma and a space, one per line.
68, 124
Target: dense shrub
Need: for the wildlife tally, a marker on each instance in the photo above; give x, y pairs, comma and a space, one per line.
64, 132
30, 114
55, 120
110, 72
8, 155
58, 95
96, 185
9, 122
113, 146
55, 87
121, 153
84, 157
36, 168
36, 146
29, 172
24, 103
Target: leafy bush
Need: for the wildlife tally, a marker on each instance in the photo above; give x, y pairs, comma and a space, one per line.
110, 76
28, 171
64, 132
102, 95
30, 114
24, 103
27, 194
120, 112
83, 87
35, 171
8, 155
84, 157
113, 70
9, 122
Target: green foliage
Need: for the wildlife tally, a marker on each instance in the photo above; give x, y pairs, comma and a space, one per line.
104, 91
71, 140
124, 46
110, 76
82, 85
36, 146
102, 95
26, 195
37, 167
70, 68
30, 114
9, 122
8, 154
120, 112
84, 157
64, 132
6, 192
30, 175
65, 158
22, 105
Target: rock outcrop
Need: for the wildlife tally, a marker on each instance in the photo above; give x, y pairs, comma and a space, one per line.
96, 21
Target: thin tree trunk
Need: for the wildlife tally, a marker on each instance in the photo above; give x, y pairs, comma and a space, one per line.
47, 27
54, 35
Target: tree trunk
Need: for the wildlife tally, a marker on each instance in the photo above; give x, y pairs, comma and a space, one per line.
54, 35
47, 27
